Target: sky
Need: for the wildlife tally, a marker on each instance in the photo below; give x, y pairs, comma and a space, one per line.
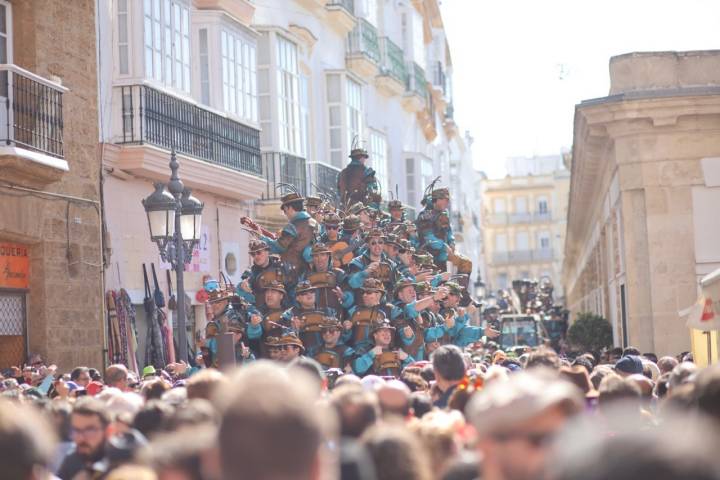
520, 66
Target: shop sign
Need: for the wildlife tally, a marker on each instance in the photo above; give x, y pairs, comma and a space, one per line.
14, 265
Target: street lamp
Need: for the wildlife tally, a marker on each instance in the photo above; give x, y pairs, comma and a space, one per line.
174, 218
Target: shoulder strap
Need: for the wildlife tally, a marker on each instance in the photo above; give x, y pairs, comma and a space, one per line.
169, 282
155, 280
147, 283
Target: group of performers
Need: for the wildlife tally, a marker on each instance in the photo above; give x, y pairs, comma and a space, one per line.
356, 288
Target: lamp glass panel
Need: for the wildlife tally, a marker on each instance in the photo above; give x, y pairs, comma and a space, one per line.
190, 227
162, 223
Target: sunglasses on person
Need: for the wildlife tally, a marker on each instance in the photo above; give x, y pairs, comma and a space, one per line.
402, 250
377, 243
287, 348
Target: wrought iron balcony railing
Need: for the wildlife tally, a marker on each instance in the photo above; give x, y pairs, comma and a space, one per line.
348, 5
31, 111
417, 84
326, 179
157, 118
363, 40
393, 61
282, 167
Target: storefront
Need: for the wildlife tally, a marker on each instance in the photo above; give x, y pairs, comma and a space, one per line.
14, 283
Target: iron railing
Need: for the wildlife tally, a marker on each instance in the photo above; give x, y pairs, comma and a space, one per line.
416, 82
363, 40
439, 77
157, 118
348, 5
32, 116
326, 179
521, 217
393, 61
282, 167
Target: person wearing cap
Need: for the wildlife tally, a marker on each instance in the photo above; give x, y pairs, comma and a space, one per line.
516, 421
357, 182
223, 313
289, 347
265, 268
305, 317
372, 263
327, 280
407, 302
381, 358
333, 353
629, 365
268, 320
331, 229
397, 215
312, 205
243, 354
462, 334
433, 225
297, 235
360, 317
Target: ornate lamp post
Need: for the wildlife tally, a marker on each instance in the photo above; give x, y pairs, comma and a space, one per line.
174, 218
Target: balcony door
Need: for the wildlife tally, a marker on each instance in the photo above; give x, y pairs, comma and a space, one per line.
5, 57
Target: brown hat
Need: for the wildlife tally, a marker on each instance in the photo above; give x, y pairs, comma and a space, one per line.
303, 287
275, 285
215, 296
319, 248
392, 239
454, 288
578, 375
440, 193
356, 208
272, 341
332, 219
311, 201
402, 283
257, 245
351, 223
330, 323
424, 289
372, 285
380, 324
374, 233
395, 205
289, 338
358, 153
291, 197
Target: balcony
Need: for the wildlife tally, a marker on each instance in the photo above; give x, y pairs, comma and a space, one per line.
516, 218
542, 217
31, 128
392, 78
282, 167
218, 154
363, 50
522, 256
496, 219
341, 14
416, 93
325, 178
439, 78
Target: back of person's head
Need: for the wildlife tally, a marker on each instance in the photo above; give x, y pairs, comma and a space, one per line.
630, 350
394, 398
543, 357
154, 390
396, 453
682, 448
584, 362
614, 389
437, 434
205, 384
421, 403
666, 364
272, 426
448, 363
414, 382
311, 367
598, 374
682, 373
26, 442
60, 411
427, 373
115, 373
707, 390
181, 452
356, 409
152, 418
195, 412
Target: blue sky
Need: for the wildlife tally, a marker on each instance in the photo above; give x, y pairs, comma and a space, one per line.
520, 66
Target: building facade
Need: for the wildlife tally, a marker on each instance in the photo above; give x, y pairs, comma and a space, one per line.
51, 263
250, 95
524, 223
642, 227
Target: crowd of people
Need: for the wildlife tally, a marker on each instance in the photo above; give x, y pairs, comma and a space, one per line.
459, 416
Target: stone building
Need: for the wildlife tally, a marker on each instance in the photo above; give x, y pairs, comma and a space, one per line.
643, 224
51, 295
524, 222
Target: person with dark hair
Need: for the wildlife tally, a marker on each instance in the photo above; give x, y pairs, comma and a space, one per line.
615, 389
26, 442
630, 350
60, 411
151, 418
81, 376
414, 382
708, 391
396, 453
420, 403
449, 367
89, 426
666, 364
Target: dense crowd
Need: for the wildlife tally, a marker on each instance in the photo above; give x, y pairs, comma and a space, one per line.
462, 415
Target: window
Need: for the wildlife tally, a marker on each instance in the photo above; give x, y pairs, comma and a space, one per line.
501, 242
335, 124
367, 9
520, 204
502, 280
542, 205
238, 76
167, 42
288, 96
304, 116
499, 205
544, 240
427, 171
354, 110
204, 67
410, 181
5, 44
378, 161
522, 241
123, 44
